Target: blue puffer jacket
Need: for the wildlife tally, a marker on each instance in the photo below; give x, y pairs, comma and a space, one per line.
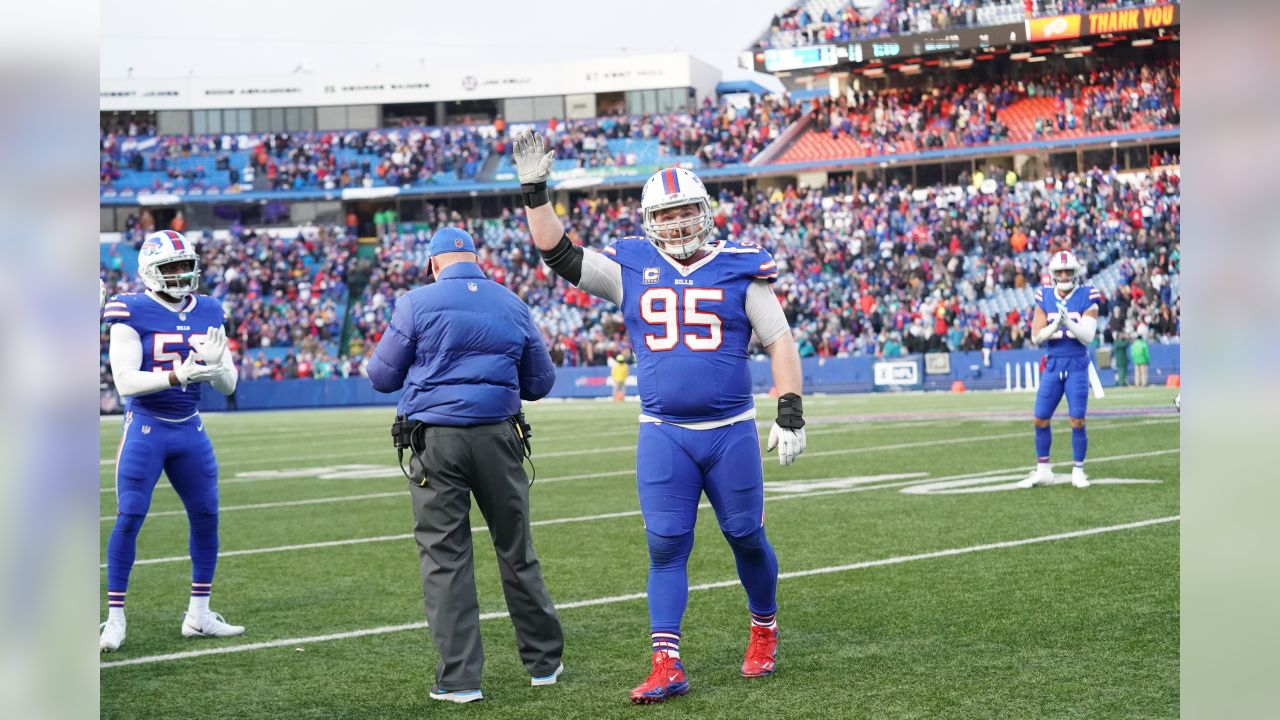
465, 348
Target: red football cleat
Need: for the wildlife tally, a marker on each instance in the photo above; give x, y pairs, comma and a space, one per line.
666, 680
762, 652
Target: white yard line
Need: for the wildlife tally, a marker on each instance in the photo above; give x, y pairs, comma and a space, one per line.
615, 599
984, 473
379, 538
631, 448
952, 441
540, 480
280, 504
257, 439
816, 427
635, 513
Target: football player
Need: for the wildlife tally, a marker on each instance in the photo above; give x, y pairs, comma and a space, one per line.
164, 344
691, 305
1066, 317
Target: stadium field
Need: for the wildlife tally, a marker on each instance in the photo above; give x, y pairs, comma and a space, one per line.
915, 583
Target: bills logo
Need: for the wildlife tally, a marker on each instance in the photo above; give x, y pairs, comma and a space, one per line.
1057, 26
1062, 27
650, 276
473, 287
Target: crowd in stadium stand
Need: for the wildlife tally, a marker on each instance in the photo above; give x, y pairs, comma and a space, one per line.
864, 270
728, 135
884, 271
797, 26
130, 127
295, 161
1116, 98
911, 119
716, 134
914, 119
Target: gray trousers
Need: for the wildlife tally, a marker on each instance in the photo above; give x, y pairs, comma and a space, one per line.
486, 460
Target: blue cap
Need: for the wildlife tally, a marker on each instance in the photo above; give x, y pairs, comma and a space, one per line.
451, 239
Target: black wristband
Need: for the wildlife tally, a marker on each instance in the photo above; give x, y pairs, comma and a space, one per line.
790, 412
565, 260
535, 194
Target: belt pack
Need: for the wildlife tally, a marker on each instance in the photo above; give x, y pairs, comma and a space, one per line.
403, 432
406, 434
524, 431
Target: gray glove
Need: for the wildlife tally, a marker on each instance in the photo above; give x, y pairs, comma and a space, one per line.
190, 371
790, 443
213, 347
532, 159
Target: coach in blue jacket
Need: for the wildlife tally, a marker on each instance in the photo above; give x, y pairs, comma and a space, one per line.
467, 352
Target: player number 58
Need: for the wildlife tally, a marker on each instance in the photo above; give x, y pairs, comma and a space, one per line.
166, 359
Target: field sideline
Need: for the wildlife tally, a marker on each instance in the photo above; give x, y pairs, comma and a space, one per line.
914, 583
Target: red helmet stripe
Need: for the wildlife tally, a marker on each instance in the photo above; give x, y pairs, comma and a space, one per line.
669, 182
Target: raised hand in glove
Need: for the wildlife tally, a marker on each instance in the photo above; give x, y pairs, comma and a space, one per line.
787, 433
532, 159
213, 347
191, 371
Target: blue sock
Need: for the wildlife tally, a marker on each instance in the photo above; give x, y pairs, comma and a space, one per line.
758, 571
1079, 444
1044, 439
668, 581
203, 546
122, 549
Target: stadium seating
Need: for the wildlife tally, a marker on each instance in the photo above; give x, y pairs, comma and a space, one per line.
191, 164
865, 270
714, 135
1128, 98
815, 22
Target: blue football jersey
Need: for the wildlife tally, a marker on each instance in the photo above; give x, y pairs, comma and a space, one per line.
1083, 297
690, 331
166, 341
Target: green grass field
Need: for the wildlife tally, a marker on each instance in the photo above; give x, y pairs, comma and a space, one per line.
953, 625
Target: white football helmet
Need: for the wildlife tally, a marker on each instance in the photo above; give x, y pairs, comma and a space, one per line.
162, 264
1061, 263
669, 188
